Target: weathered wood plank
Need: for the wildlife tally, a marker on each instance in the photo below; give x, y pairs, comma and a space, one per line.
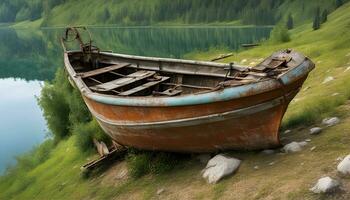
118, 83
103, 70
143, 87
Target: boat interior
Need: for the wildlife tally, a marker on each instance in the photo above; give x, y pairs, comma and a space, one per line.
138, 76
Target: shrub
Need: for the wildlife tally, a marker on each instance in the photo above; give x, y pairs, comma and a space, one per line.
86, 132
55, 106
280, 34
141, 163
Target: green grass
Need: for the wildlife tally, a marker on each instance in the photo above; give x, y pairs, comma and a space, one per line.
328, 48
58, 176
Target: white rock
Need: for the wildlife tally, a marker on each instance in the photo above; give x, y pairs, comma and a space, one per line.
244, 60
308, 140
271, 163
220, 166
335, 94
252, 63
287, 131
313, 148
344, 166
256, 167
294, 147
325, 185
268, 151
347, 69
203, 158
160, 191
331, 121
328, 79
315, 130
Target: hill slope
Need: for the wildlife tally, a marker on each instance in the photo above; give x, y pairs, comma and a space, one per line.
158, 12
280, 176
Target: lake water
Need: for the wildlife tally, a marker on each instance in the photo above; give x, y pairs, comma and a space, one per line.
29, 57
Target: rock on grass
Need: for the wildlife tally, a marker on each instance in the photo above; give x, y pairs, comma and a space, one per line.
294, 147
315, 130
331, 121
328, 79
344, 166
325, 185
219, 167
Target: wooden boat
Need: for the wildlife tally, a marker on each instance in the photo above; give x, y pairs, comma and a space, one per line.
184, 105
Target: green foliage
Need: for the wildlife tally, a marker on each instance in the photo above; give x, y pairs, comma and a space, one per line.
338, 3
324, 16
86, 132
317, 21
55, 106
62, 106
279, 34
290, 22
141, 163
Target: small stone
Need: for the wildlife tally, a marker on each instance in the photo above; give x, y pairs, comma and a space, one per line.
302, 164
220, 166
308, 140
313, 148
344, 166
244, 60
335, 94
328, 79
287, 131
268, 151
271, 163
160, 191
325, 185
315, 130
256, 167
294, 147
347, 69
330, 121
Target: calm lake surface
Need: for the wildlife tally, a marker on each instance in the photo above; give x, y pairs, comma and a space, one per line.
29, 57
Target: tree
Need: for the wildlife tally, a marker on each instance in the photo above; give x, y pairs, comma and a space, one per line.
317, 23
290, 22
338, 3
324, 16
280, 34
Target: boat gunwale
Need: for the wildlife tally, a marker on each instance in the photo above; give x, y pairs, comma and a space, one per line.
225, 94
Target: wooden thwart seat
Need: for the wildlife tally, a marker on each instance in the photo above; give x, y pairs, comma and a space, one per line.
102, 70
144, 86
118, 83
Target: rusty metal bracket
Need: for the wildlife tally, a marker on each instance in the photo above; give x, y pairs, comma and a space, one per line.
87, 48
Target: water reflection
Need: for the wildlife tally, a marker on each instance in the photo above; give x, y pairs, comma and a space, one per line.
22, 124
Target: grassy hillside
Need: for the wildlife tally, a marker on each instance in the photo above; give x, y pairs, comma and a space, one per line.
153, 12
280, 176
159, 12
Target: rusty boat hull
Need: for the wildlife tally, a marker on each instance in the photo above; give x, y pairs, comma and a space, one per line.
187, 106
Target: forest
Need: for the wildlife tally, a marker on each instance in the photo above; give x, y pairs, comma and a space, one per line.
149, 12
